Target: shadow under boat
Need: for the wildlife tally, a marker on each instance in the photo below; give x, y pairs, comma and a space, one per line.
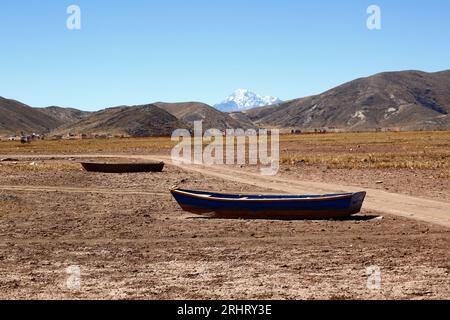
368, 217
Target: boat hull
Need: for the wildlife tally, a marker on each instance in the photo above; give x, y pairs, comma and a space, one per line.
122, 167
269, 207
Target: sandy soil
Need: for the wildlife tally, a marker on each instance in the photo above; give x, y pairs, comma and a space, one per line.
131, 240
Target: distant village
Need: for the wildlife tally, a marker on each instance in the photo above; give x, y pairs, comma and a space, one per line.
28, 138
335, 130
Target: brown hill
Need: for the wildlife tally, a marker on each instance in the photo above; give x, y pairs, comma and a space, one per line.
144, 120
17, 117
136, 121
242, 118
65, 115
196, 111
408, 100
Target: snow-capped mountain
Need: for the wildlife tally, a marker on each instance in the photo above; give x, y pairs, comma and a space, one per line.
243, 99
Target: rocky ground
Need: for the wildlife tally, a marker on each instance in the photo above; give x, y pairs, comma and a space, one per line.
129, 239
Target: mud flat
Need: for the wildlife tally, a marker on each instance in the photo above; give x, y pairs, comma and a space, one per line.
130, 240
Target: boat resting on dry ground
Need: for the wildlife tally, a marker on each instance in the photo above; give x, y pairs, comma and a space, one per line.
123, 167
220, 205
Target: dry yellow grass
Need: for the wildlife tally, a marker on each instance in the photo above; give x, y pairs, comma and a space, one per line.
114, 145
445, 174
405, 150
413, 160
394, 150
418, 138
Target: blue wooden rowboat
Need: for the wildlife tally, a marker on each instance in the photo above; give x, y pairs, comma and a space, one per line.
269, 206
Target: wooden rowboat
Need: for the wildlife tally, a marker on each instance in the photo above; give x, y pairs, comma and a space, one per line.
122, 167
269, 206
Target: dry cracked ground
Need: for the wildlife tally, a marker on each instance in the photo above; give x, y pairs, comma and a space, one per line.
130, 240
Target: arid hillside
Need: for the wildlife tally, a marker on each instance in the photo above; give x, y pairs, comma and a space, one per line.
410, 100
135, 121
17, 117
196, 111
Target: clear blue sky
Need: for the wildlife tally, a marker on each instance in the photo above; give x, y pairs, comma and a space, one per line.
141, 51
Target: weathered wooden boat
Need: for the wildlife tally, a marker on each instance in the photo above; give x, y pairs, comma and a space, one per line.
269, 206
123, 167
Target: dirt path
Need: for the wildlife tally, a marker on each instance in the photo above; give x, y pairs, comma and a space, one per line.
422, 209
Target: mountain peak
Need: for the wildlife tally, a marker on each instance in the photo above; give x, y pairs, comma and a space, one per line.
244, 99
